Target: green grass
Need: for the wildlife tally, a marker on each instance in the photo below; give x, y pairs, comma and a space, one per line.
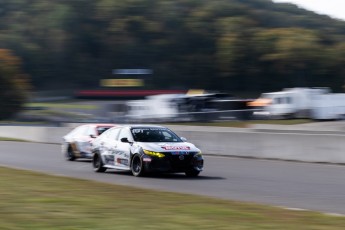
57, 113
37, 201
55, 105
10, 139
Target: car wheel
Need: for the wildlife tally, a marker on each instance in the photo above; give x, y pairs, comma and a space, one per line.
69, 154
192, 173
97, 163
137, 166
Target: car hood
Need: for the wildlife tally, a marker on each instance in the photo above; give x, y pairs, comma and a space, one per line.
169, 146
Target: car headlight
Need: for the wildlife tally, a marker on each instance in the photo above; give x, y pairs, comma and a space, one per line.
199, 154
154, 154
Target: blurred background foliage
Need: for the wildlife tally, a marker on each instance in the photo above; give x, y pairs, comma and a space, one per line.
229, 45
14, 85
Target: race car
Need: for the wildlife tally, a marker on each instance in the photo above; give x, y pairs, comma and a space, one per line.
77, 143
145, 148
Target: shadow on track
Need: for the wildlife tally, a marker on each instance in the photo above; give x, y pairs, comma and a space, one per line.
166, 176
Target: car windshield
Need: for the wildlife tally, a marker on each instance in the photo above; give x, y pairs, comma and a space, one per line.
102, 129
154, 135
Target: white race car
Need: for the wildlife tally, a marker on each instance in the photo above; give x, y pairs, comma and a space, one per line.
77, 143
145, 148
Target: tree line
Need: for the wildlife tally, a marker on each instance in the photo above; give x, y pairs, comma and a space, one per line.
229, 45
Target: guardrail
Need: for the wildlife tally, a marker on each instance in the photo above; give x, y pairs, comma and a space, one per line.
291, 145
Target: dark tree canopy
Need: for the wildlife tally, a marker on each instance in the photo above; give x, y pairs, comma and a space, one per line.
251, 45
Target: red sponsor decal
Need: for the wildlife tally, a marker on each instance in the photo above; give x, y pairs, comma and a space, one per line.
176, 147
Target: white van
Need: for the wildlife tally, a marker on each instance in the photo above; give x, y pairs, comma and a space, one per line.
289, 103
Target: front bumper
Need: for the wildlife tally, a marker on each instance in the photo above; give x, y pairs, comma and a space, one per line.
174, 163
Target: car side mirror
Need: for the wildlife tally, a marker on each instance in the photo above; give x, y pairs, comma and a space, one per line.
184, 139
125, 140
92, 136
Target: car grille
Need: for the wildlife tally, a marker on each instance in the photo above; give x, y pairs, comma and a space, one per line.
179, 161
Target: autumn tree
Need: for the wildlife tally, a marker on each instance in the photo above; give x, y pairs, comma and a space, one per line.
14, 85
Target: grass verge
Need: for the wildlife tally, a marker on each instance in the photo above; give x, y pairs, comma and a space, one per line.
37, 201
11, 139
64, 105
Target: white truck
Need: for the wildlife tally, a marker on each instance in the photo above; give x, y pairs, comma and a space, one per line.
314, 103
153, 108
328, 107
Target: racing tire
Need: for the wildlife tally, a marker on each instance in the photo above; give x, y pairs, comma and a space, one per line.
69, 154
137, 166
192, 173
97, 164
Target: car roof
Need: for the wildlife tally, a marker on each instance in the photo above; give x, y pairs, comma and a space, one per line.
104, 125
97, 125
146, 126
139, 126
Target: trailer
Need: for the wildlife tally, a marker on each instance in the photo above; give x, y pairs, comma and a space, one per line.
291, 103
328, 107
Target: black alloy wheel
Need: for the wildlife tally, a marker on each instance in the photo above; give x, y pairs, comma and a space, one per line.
137, 167
98, 163
69, 154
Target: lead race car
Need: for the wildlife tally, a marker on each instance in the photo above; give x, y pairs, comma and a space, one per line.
145, 148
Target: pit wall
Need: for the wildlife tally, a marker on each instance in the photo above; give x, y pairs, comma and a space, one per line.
295, 145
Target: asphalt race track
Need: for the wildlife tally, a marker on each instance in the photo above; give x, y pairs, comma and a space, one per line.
319, 187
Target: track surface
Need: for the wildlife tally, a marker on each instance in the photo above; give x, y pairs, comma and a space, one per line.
318, 187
